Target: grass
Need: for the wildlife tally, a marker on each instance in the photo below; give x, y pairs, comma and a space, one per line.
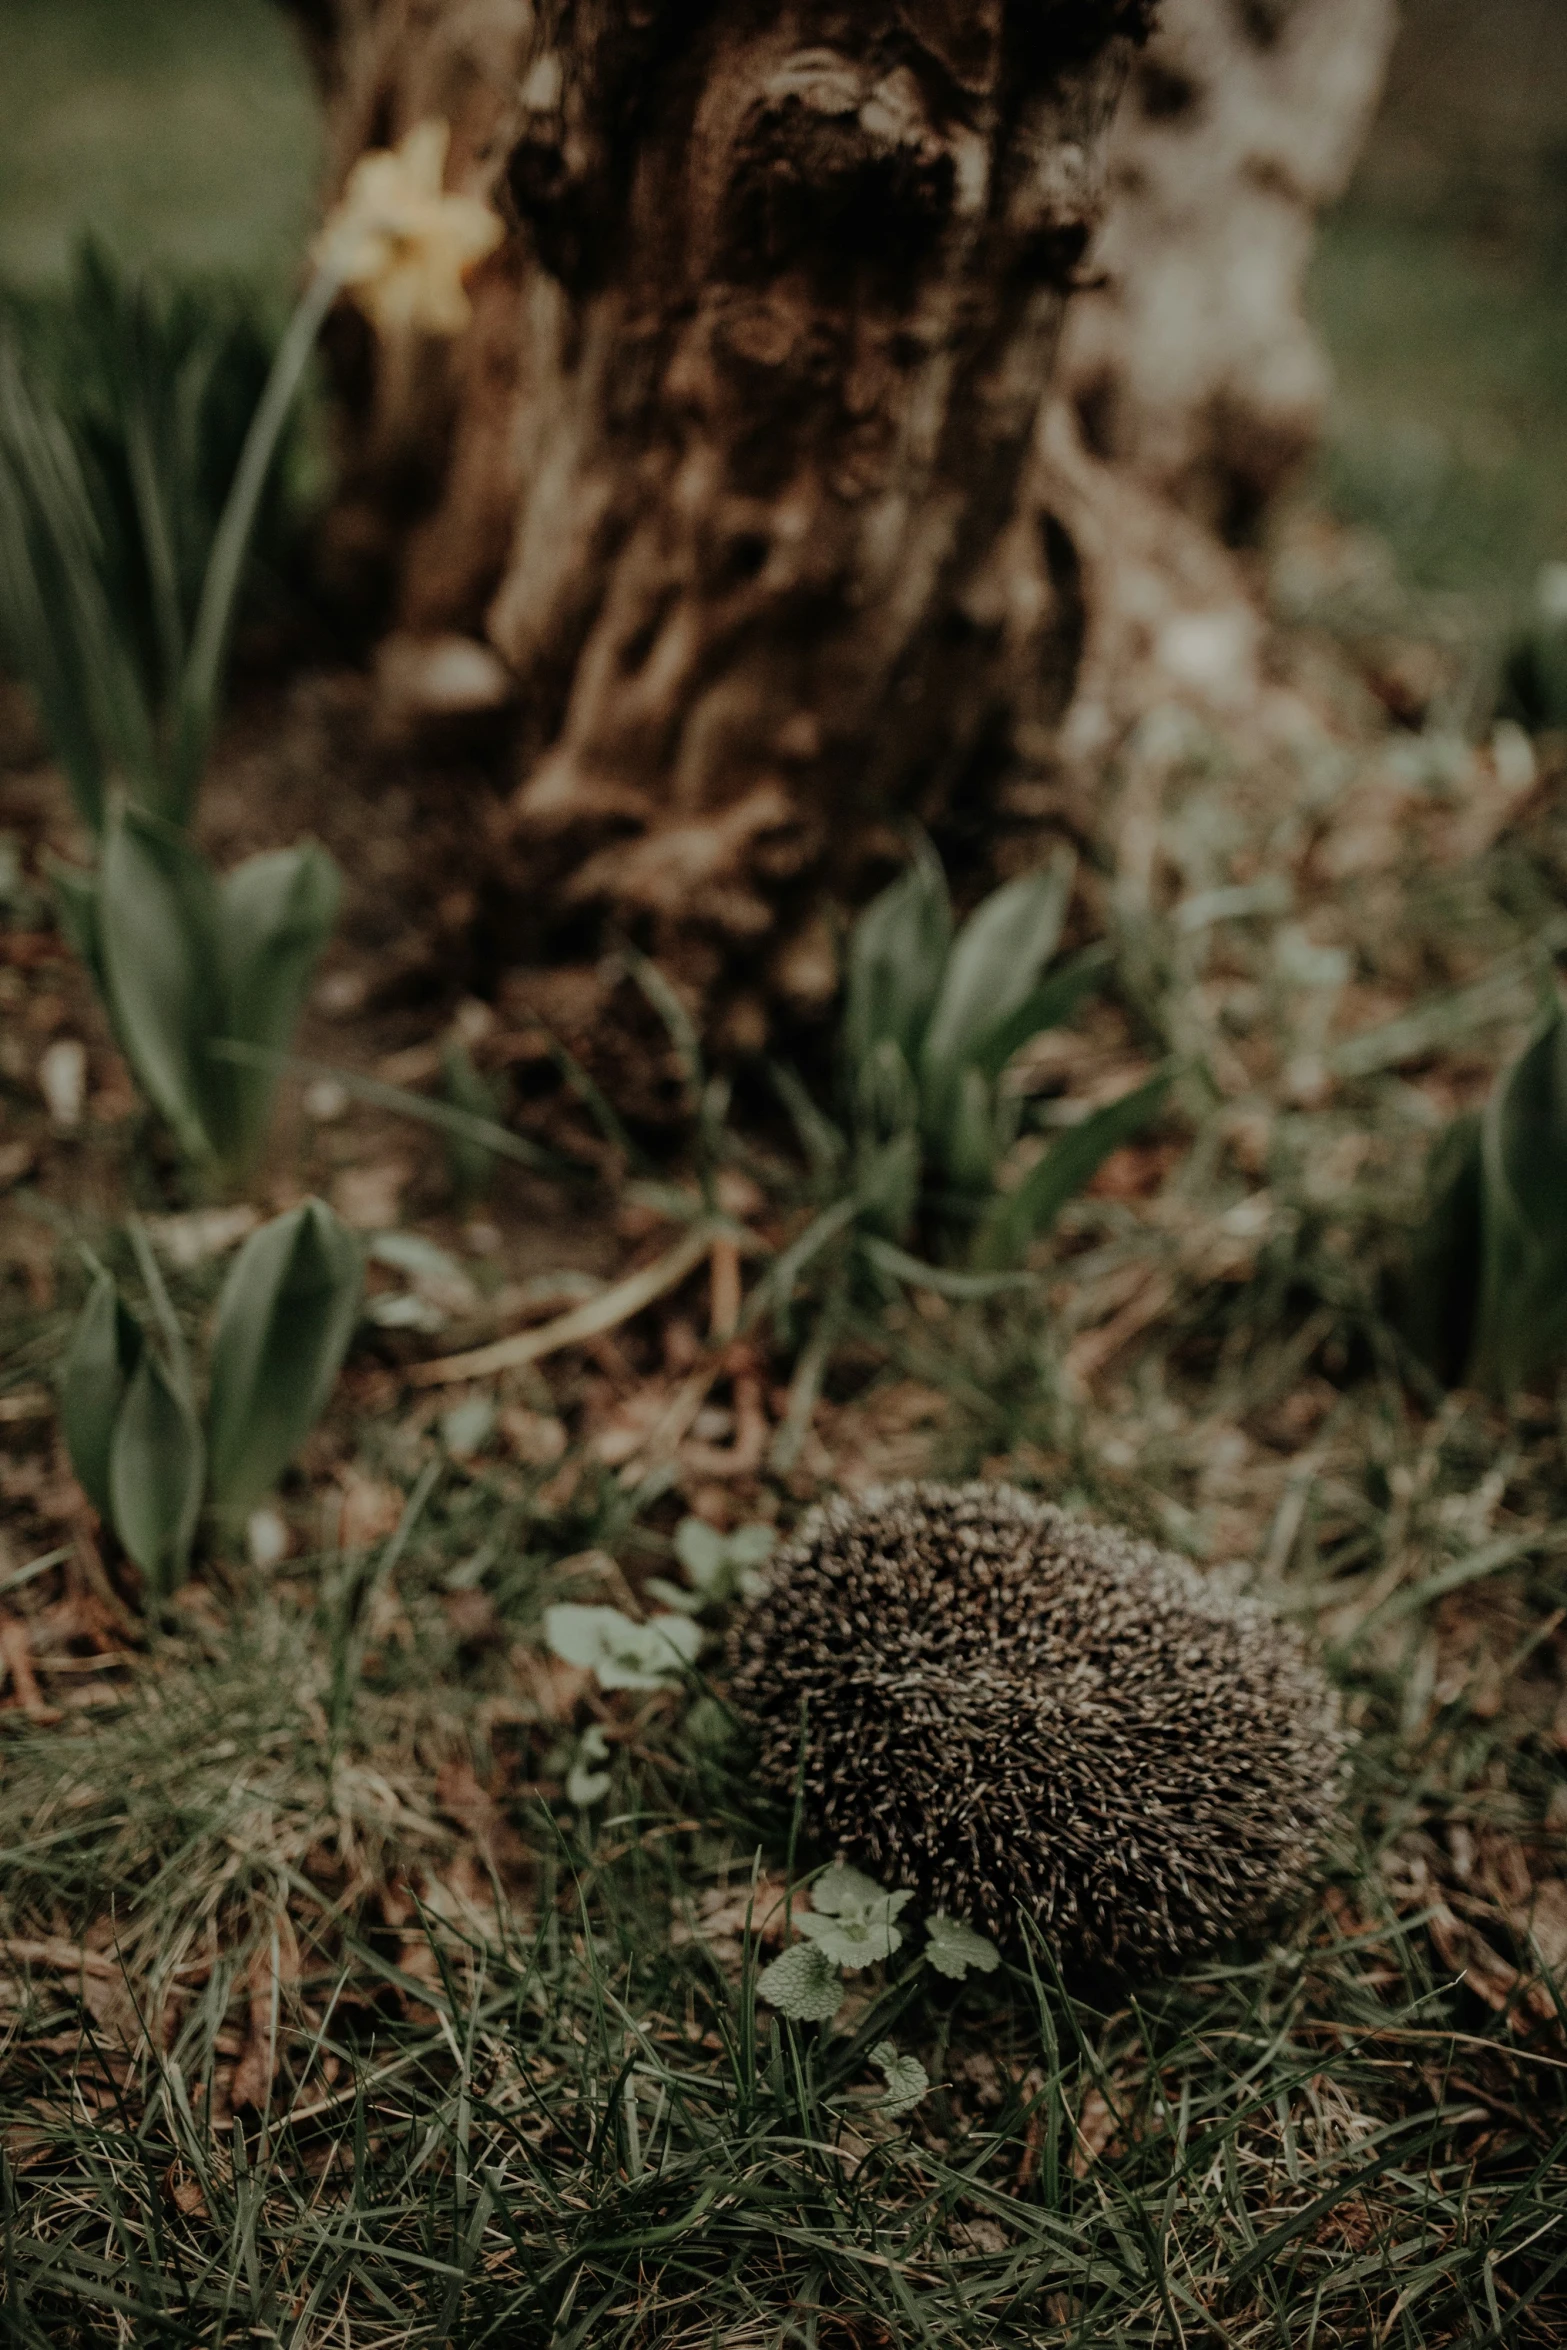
517, 2102
574, 2138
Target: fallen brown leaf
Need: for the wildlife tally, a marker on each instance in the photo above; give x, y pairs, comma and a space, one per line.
16, 1656
536, 1439
721, 1914
275, 1965
184, 2192
1093, 2132
370, 1198
369, 1511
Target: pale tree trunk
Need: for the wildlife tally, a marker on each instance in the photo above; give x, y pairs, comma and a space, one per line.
744, 492
1190, 385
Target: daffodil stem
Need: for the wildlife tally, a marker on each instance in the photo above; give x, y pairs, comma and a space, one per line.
231, 543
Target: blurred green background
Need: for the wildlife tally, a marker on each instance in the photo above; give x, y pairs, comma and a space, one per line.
182, 131
1440, 286
186, 131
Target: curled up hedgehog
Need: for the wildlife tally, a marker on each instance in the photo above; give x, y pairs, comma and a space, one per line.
1008, 1708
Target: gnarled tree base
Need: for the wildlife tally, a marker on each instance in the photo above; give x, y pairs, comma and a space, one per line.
743, 497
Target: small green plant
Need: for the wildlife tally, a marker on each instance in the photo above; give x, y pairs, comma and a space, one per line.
127, 514
850, 1925
928, 1145
469, 1164
720, 1568
933, 1021
618, 1651
1484, 1296
147, 1457
122, 552
122, 557
185, 962
658, 1653
121, 432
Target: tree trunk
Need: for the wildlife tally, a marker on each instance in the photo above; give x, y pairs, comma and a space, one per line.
743, 488
1190, 386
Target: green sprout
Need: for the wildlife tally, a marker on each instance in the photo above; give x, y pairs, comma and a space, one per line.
146, 1455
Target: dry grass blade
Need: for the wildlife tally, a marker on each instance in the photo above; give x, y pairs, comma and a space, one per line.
592, 1320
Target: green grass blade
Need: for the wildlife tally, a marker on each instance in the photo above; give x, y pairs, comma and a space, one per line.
942, 1280
201, 685
76, 911
1020, 1217
419, 1106
1046, 1006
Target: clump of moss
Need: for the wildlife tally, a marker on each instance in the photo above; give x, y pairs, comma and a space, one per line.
1007, 1707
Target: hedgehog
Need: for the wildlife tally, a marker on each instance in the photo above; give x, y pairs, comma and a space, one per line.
1016, 1712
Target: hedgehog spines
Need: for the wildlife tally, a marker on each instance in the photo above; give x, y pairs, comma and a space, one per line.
1008, 1706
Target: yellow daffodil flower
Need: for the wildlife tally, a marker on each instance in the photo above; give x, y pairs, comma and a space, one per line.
400, 244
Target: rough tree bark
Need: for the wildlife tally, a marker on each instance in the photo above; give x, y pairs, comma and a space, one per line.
743, 492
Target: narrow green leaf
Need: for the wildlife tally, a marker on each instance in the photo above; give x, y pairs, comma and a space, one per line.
1046, 1006
1526, 1136
276, 915
897, 951
968, 1134
156, 1471
886, 1099
1437, 1295
55, 609
887, 1185
671, 1010
421, 1107
285, 1318
76, 911
38, 641
940, 1279
100, 1363
1019, 1217
777, 1286
153, 480
824, 1146
176, 1353
994, 965
159, 931
202, 683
